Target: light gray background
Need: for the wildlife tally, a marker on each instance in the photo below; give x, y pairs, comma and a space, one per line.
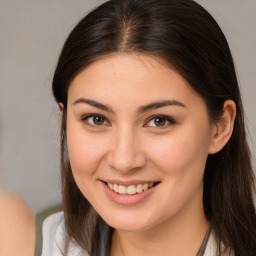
31, 36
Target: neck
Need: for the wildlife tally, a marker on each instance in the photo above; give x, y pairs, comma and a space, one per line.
181, 235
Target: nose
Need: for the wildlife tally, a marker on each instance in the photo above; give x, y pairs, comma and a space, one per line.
126, 153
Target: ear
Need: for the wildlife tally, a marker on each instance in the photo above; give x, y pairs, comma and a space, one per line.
61, 106
223, 128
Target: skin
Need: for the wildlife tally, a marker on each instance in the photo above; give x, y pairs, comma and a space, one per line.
128, 146
17, 226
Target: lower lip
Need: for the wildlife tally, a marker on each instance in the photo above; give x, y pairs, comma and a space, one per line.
128, 199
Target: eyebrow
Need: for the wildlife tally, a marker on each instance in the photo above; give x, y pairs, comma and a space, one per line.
142, 109
95, 104
160, 104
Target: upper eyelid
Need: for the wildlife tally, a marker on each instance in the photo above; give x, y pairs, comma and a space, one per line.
168, 118
91, 115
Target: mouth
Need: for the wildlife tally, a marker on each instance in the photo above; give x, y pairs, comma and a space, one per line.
131, 189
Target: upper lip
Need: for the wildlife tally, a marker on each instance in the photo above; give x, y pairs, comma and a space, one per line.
130, 182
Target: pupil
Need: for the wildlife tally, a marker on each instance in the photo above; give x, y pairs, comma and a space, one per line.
160, 121
98, 120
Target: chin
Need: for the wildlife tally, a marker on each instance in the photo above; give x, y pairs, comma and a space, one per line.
130, 224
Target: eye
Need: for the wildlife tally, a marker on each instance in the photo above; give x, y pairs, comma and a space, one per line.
93, 119
160, 121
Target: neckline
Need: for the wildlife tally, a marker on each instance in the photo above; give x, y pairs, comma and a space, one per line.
107, 231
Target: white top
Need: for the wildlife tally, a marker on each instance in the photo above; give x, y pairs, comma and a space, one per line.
54, 234
54, 238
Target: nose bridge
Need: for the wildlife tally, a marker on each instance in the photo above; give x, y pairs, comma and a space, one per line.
125, 154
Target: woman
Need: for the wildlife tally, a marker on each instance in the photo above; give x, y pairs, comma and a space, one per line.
17, 226
154, 153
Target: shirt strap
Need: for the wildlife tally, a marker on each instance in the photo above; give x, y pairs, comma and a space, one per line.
204, 243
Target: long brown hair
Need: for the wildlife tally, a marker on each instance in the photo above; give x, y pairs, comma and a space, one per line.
185, 35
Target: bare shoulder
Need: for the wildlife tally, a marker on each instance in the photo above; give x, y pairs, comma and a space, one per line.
17, 226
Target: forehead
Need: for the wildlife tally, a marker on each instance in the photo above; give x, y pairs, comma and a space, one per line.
131, 76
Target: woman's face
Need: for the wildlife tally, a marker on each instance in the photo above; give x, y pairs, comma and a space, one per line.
138, 138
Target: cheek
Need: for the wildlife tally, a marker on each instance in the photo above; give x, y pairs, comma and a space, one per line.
85, 151
180, 160
181, 154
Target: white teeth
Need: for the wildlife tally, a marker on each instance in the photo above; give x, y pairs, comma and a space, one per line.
139, 188
122, 189
130, 190
111, 186
116, 188
145, 186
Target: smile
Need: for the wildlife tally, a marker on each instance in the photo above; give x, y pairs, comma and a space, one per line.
129, 193
130, 190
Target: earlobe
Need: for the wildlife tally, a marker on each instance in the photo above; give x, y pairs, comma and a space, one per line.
61, 106
223, 128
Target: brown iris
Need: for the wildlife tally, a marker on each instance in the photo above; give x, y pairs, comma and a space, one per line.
160, 121
98, 120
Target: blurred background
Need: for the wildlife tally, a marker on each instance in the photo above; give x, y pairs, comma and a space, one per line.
31, 36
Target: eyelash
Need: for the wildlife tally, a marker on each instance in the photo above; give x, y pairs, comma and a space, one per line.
166, 119
85, 119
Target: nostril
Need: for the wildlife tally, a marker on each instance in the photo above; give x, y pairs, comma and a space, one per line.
127, 163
